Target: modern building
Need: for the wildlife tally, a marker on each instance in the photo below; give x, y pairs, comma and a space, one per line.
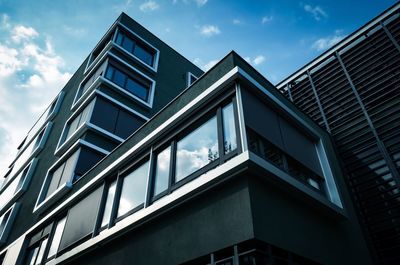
353, 92
144, 159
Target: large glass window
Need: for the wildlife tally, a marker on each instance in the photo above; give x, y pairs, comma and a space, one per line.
74, 167
133, 189
137, 86
161, 176
109, 203
136, 47
197, 149
6, 222
230, 142
55, 243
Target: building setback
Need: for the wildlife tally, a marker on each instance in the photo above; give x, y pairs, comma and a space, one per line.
144, 159
353, 91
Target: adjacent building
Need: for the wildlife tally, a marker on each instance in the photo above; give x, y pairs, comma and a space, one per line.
353, 92
144, 159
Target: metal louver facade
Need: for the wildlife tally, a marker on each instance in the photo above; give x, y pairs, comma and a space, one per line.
353, 91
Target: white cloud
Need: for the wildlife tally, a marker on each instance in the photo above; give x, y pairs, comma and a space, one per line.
205, 66
149, 6
209, 30
20, 33
259, 60
5, 21
237, 22
31, 74
122, 7
327, 42
266, 19
75, 32
199, 3
317, 12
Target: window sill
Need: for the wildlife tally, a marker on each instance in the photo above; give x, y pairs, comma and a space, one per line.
52, 198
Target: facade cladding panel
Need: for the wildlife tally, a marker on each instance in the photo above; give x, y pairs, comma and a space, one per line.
353, 91
197, 177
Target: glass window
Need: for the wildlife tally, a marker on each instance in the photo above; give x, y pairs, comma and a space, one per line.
109, 204
57, 237
137, 88
127, 123
197, 149
119, 78
3, 221
110, 72
162, 171
133, 189
143, 55
119, 38
128, 44
228, 119
40, 254
31, 257
79, 120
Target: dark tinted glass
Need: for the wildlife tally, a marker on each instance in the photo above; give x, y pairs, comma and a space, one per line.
119, 78
87, 159
144, 55
81, 219
104, 115
127, 123
137, 88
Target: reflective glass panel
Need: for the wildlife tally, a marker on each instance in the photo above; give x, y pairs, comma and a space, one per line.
109, 203
197, 149
133, 189
230, 142
57, 237
162, 171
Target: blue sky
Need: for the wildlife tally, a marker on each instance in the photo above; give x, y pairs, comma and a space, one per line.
43, 42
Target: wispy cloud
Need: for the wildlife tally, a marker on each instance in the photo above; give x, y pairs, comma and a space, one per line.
31, 74
199, 3
266, 19
316, 11
205, 66
327, 42
20, 33
122, 7
149, 6
237, 22
209, 30
75, 32
259, 59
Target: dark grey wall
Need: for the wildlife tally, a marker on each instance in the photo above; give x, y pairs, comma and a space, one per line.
212, 221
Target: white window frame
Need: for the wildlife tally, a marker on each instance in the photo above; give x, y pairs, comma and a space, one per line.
42, 201
101, 79
10, 221
35, 152
188, 76
87, 125
17, 193
112, 43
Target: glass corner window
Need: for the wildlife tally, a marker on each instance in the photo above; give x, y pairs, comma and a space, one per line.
197, 149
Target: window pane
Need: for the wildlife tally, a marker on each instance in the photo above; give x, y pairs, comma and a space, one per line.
197, 149
109, 73
119, 38
32, 256
133, 189
69, 168
105, 115
87, 159
127, 123
143, 55
72, 127
23, 177
137, 89
55, 179
119, 78
109, 203
162, 171
128, 44
3, 221
85, 113
41, 252
230, 143
57, 237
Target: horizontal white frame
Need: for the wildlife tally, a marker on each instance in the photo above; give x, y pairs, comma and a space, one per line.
42, 201
59, 98
24, 186
9, 223
112, 43
233, 73
101, 79
34, 153
88, 125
